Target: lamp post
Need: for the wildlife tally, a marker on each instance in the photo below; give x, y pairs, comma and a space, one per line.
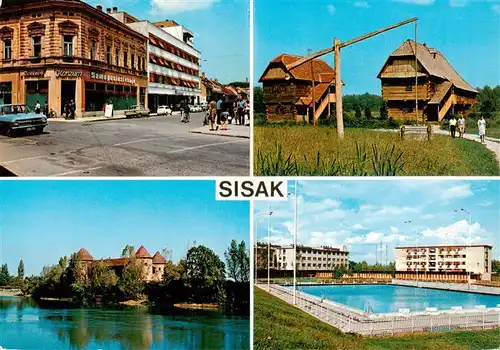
269, 248
295, 232
468, 236
409, 222
269, 213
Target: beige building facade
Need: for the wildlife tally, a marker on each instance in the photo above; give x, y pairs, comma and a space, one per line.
311, 258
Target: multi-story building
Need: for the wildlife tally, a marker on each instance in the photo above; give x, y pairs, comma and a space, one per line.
152, 266
55, 51
174, 63
473, 259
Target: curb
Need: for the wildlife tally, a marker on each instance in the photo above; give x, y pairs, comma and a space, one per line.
81, 121
224, 135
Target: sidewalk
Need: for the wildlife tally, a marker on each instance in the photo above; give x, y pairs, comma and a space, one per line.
233, 131
86, 120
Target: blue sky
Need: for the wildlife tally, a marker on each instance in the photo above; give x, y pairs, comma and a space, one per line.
466, 31
221, 29
41, 221
361, 214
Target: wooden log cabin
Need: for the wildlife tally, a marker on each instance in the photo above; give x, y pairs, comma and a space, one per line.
440, 90
288, 94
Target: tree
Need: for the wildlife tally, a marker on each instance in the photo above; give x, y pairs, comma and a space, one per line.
20, 270
4, 275
240, 84
205, 274
384, 113
238, 262
244, 262
130, 283
357, 109
128, 251
368, 113
258, 103
495, 266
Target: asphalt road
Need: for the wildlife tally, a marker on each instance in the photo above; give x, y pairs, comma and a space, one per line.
155, 146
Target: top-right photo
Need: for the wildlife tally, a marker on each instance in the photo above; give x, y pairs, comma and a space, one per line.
377, 88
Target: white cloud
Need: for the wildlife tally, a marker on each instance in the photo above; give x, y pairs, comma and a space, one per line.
458, 232
417, 2
361, 4
357, 227
331, 9
177, 6
457, 192
458, 3
486, 203
496, 9
377, 237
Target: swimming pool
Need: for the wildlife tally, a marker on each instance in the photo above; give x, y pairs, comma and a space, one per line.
390, 298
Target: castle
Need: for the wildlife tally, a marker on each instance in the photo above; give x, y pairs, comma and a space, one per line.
152, 266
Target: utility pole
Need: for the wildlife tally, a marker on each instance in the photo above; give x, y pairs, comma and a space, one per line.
312, 88
416, 75
269, 249
295, 232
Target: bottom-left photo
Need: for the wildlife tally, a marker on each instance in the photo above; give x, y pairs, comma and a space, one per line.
123, 265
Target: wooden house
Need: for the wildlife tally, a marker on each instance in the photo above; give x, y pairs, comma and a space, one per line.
440, 89
289, 94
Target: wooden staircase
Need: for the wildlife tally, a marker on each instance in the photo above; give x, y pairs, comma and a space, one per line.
446, 106
328, 98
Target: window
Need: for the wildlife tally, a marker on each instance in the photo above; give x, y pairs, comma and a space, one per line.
93, 50
68, 45
37, 46
108, 55
125, 58
117, 55
409, 87
7, 49
132, 61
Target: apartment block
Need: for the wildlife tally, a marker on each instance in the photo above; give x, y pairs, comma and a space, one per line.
311, 258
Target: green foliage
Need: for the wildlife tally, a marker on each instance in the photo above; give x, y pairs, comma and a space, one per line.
20, 270
5, 277
357, 112
383, 112
361, 123
488, 104
205, 275
240, 84
238, 262
128, 251
368, 113
130, 284
362, 102
363, 266
495, 266
258, 103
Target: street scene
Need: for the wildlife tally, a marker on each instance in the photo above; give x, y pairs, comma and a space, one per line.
122, 95
373, 264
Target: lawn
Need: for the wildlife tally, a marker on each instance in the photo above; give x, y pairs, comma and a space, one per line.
278, 325
289, 150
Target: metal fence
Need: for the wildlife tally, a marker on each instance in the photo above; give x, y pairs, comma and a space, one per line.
351, 320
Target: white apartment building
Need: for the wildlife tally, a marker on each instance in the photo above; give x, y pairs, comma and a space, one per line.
311, 258
475, 259
174, 62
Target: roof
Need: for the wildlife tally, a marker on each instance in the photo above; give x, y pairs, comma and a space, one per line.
116, 262
433, 62
319, 90
159, 259
441, 92
447, 246
276, 70
142, 253
84, 255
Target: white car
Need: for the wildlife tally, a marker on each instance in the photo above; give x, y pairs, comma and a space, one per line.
164, 110
194, 109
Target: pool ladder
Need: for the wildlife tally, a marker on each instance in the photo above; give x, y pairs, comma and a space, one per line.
368, 308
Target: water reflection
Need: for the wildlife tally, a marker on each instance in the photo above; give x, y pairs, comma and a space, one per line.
128, 328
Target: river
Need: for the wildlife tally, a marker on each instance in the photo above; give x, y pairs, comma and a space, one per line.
25, 324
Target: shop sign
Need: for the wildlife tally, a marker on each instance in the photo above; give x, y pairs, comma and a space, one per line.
112, 78
33, 73
68, 74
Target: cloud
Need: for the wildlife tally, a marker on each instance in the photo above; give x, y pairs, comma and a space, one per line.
361, 4
496, 9
458, 232
457, 192
417, 2
458, 3
177, 6
377, 237
331, 9
486, 203
358, 227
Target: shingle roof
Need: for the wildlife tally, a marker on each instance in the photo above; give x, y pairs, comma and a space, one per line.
319, 90
441, 92
433, 62
159, 259
116, 262
323, 73
84, 255
142, 253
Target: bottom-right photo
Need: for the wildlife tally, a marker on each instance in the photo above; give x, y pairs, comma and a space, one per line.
378, 264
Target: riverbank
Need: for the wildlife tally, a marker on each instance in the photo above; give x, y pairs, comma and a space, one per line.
190, 306
279, 325
10, 293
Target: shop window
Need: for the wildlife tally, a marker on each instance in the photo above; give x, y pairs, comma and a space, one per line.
93, 50
68, 45
109, 59
117, 55
7, 49
36, 42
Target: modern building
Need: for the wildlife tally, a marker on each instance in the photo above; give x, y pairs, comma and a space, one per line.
456, 259
440, 89
173, 61
152, 266
55, 51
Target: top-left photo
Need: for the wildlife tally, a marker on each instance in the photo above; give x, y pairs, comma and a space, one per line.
124, 88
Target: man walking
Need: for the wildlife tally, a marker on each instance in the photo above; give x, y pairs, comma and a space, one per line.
461, 126
38, 108
242, 106
212, 114
453, 126
72, 108
220, 105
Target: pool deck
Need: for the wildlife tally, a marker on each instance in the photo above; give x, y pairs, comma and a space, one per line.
350, 320
456, 287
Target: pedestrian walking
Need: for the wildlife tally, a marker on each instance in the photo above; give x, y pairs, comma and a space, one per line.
242, 106
481, 126
182, 107
66, 110
220, 105
187, 111
72, 108
453, 126
461, 126
46, 110
38, 108
212, 114
224, 116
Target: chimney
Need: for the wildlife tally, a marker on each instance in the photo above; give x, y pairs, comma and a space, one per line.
99, 7
108, 10
115, 9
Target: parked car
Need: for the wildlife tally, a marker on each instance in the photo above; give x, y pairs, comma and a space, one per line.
137, 111
18, 117
164, 110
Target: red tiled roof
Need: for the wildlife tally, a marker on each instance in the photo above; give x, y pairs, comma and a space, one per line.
116, 262
142, 253
159, 259
323, 73
84, 255
319, 90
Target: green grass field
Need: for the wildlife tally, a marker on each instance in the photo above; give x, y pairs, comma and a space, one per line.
282, 150
278, 325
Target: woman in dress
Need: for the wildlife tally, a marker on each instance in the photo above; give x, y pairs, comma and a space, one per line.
481, 126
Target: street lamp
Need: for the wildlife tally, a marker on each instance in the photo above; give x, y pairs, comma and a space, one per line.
468, 236
409, 222
269, 213
295, 232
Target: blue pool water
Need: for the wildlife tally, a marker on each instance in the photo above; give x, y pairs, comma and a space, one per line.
388, 298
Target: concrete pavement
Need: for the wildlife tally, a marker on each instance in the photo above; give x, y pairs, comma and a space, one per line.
156, 146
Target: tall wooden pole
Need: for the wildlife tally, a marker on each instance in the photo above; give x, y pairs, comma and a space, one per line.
312, 87
338, 90
416, 76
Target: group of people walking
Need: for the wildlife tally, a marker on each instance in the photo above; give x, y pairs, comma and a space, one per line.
222, 113
461, 123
